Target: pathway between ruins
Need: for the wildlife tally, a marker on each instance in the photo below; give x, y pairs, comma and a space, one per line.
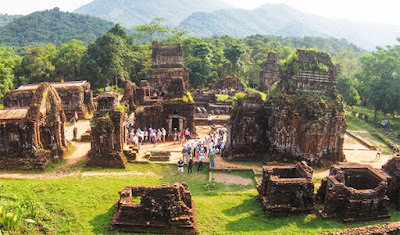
354, 150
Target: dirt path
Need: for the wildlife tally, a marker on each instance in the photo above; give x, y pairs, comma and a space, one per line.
230, 179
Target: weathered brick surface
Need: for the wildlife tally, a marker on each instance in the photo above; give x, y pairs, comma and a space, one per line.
32, 130
107, 134
286, 189
354, 192
228, 83
297, 122
168, 208
379, 229
392, 168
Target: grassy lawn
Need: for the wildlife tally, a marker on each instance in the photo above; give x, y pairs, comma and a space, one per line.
394, 120
84, 205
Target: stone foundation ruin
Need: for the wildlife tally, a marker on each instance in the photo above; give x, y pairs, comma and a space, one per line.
302, 118
228, 83
32, 129
392, 168
168, 208
76, 97
167, 63
353, 192
107, 134
286, 189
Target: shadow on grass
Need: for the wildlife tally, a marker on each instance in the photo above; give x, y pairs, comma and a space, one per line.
101, 223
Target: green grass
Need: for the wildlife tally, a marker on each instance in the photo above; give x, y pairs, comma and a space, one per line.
78, 205
1, 106
394, 120
356, 124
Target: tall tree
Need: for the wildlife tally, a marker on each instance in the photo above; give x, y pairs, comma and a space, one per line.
154, 28
8, 62
67, 60
36, 65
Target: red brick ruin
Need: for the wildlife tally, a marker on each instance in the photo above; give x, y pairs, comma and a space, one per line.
353, 192
228, 83
32, 129
76, 97
168, 208
286, 189
167, 63
301, 120
392, 168
107, 135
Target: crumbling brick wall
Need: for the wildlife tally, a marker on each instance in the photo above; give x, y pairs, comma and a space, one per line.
175, 111
130, 96
392, 168
228, 83
76, 97
271, 73
379, 229
167, 62
286, 189
293, 124
168, 208
354, 192
32, 137
107, 134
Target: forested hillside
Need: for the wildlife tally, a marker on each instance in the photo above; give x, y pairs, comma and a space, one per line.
5, 18
52, 26
133, 12
282, 20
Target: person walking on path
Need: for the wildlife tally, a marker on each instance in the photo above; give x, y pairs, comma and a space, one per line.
201, 160
180, 166
378, 153
190, 166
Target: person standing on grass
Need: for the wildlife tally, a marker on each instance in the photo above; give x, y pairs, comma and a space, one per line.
212, 159
180, 166
201, 160
190, 166
379, 153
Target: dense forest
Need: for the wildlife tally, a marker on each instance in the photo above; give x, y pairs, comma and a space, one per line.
52, 26
5, 18
372, 80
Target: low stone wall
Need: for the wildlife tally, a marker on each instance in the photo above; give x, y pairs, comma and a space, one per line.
379, 229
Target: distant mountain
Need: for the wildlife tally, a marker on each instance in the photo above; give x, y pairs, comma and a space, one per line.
52, 26
134, 12
5, 18
282, 20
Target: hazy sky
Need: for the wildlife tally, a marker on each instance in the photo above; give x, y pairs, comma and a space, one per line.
359, 10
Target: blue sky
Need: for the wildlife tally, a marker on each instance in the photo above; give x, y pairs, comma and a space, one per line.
358, 10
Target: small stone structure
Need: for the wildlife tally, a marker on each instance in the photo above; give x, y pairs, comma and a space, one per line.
392, 168
228, 83
107, 134
167, 62
379, 229
168, 208
354, 192
32, 129
271, 72
76, 97
130, 97
302, 118
175, 112
286, 189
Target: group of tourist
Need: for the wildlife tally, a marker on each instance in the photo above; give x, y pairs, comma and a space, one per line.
138, 137
201, 149
182, 136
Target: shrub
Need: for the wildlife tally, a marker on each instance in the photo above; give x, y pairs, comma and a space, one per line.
239, 95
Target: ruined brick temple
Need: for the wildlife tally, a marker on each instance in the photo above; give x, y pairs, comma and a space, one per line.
76, 97
286, 189
167, 63
31, 129
168, 208
228, 83
392, 168
107, 133
174, 112
271, 72
302, 118
354, 192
